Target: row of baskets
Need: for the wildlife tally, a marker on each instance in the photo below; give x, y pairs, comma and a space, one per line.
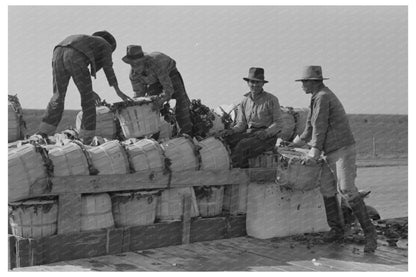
38, 217
31, 162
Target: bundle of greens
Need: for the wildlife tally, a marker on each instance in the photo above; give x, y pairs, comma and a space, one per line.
202, 118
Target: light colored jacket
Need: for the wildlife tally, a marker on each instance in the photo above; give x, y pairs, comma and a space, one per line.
327, 127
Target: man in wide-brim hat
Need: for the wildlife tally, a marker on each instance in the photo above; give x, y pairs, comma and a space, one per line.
258, 121
155, 74
71, 58
328, 131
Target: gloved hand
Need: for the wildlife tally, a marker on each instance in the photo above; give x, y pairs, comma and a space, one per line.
314, 153
97, 98
157, 102
297, 142
262, 134
225, 133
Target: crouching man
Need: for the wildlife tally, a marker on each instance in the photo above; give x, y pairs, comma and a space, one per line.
258, 122
327, 130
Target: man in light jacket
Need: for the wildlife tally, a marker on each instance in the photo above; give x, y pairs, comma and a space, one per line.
328, 131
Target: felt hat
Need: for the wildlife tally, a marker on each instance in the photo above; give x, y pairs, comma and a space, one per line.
311, 72
256, 74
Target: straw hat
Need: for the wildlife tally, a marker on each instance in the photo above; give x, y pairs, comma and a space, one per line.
311, 72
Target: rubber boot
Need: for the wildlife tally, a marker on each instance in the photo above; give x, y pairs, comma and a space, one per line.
334, 221
360, 211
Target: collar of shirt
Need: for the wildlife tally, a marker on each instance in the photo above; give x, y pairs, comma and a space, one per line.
257, 97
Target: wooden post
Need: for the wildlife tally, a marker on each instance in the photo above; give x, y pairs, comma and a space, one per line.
186, 221
374, 147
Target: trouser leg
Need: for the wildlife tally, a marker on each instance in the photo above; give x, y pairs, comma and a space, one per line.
342, 163
182, 112
82, 79
55, 108
249, 147
360, 211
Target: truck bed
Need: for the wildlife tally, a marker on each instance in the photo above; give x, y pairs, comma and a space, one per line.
298, 253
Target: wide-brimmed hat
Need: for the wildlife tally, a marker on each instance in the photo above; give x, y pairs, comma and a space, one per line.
108, 37
311, 72
134, 52
256, 74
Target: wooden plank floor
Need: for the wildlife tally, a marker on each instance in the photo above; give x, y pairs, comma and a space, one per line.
243, 254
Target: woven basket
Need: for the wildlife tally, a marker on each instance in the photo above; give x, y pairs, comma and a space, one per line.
210, 204
16, 127
25, 167
109, 158
96, 212
265, 160
302, 115
136, 208
68, 160
182, 154
33, 218
106, 123
139, 121
288, 123
170, 206
296, 171
146, 155
166, 130
293, 122
214, 154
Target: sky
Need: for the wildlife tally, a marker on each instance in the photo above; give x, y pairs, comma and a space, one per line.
363, 50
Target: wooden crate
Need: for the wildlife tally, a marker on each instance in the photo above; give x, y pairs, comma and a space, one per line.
25, 252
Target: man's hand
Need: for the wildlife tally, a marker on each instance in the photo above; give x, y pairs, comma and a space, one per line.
157, 103
297, 142
262, 134
122, 95
314, 153
96, 98
225, 133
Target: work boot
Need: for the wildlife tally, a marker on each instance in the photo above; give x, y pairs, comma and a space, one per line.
334, 221
360, 211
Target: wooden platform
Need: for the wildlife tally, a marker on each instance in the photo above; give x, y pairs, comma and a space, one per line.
243, 254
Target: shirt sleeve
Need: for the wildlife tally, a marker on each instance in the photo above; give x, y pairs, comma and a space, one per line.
277, 122
307, 132
241, 119
107, 64
319, 121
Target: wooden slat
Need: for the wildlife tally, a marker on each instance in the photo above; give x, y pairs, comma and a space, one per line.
69, 213
186, 221
136, 181
12, 252
208, 229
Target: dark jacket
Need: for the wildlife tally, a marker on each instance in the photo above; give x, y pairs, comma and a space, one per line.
97, 50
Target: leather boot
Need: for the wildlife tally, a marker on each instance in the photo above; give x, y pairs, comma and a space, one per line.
334, 221
360, 211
